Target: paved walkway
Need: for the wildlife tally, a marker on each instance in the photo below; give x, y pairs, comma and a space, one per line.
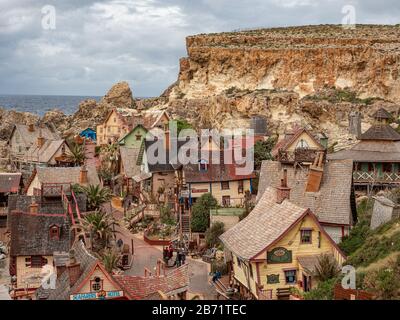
90, 159
146, 255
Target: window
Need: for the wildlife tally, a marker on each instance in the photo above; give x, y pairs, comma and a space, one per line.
225, 185
239, 263
96, 284
101, 130
54, 232
226, 201
240, 186
35, 262
371, 167
202, 165
290, 276
138, 137
306, 236
302, 144
251, 270
115, 120
119, 130
19, 149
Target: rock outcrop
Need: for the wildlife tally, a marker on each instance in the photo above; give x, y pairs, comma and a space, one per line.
299, 59
120, 95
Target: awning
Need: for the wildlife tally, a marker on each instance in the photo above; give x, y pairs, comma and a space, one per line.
309, 262
141, 177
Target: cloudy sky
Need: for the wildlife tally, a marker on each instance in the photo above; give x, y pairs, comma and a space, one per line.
97, 43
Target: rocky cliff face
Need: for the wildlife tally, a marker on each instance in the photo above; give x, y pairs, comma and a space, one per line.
299, 59
312, 75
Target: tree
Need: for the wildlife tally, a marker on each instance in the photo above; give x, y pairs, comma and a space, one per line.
327, 268
213, 233
201, 212
323, 291
182, 124
77, 154
110, 259
96, 196
100, 227
262, 151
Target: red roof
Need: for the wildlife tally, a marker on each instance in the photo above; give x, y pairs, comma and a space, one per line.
141, 287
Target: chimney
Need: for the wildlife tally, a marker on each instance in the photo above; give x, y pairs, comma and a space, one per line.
31, 127
33, 207
74, 269
283, 191
40, 139
315, 173
83, 175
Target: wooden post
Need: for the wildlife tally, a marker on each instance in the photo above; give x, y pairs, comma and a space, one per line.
132, 249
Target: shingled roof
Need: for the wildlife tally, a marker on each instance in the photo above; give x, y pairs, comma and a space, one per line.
370, 151
214, 172
45, 152
66, 175
332, 204
380, 132
63, 288
30, 234
175, 281
10, 182
382, 114
265, 224
30, 137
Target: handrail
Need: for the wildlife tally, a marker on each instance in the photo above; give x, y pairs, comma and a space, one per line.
78, 212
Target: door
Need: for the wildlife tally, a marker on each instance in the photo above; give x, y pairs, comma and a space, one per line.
306, 283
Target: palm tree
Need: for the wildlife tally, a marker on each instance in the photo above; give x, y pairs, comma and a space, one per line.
96, 196
110, 259
110, 156
77, 154
327, 268
99, 225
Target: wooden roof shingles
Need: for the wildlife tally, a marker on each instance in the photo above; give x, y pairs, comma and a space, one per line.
266, 223
30, 234
331, 204
176, 280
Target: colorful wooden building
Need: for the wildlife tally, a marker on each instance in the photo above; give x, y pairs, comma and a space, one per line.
277, 247
324, 187
89, 134
376, 156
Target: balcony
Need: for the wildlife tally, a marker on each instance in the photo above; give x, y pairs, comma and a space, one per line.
376, 178
299, 155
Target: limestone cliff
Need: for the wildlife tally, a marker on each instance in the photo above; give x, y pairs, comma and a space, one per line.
300, 59
311, 75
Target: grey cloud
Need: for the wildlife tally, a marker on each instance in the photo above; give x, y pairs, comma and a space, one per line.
97, 43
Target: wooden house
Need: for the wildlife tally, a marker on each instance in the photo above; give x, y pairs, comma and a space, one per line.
298, 146
35, 236
23, 138
376, 156
277, 246
60, 179
324, 187
134, 138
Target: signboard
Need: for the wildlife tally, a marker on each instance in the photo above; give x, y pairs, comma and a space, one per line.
184, 193
279, 255
272, 278
199, 190
100, 295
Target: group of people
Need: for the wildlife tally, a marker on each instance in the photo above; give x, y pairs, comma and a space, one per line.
168, 253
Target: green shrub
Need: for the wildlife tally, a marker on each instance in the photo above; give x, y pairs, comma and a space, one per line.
262, 151
213, 233
356, 238
166, 216
323, 291
201, 212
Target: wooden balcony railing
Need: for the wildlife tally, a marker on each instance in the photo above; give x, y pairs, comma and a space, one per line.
361, 177
299, 155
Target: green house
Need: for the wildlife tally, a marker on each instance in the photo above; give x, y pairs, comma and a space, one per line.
376, 156
134, 138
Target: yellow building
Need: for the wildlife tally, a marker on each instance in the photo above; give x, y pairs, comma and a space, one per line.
299, 145
276, 247
120, 121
